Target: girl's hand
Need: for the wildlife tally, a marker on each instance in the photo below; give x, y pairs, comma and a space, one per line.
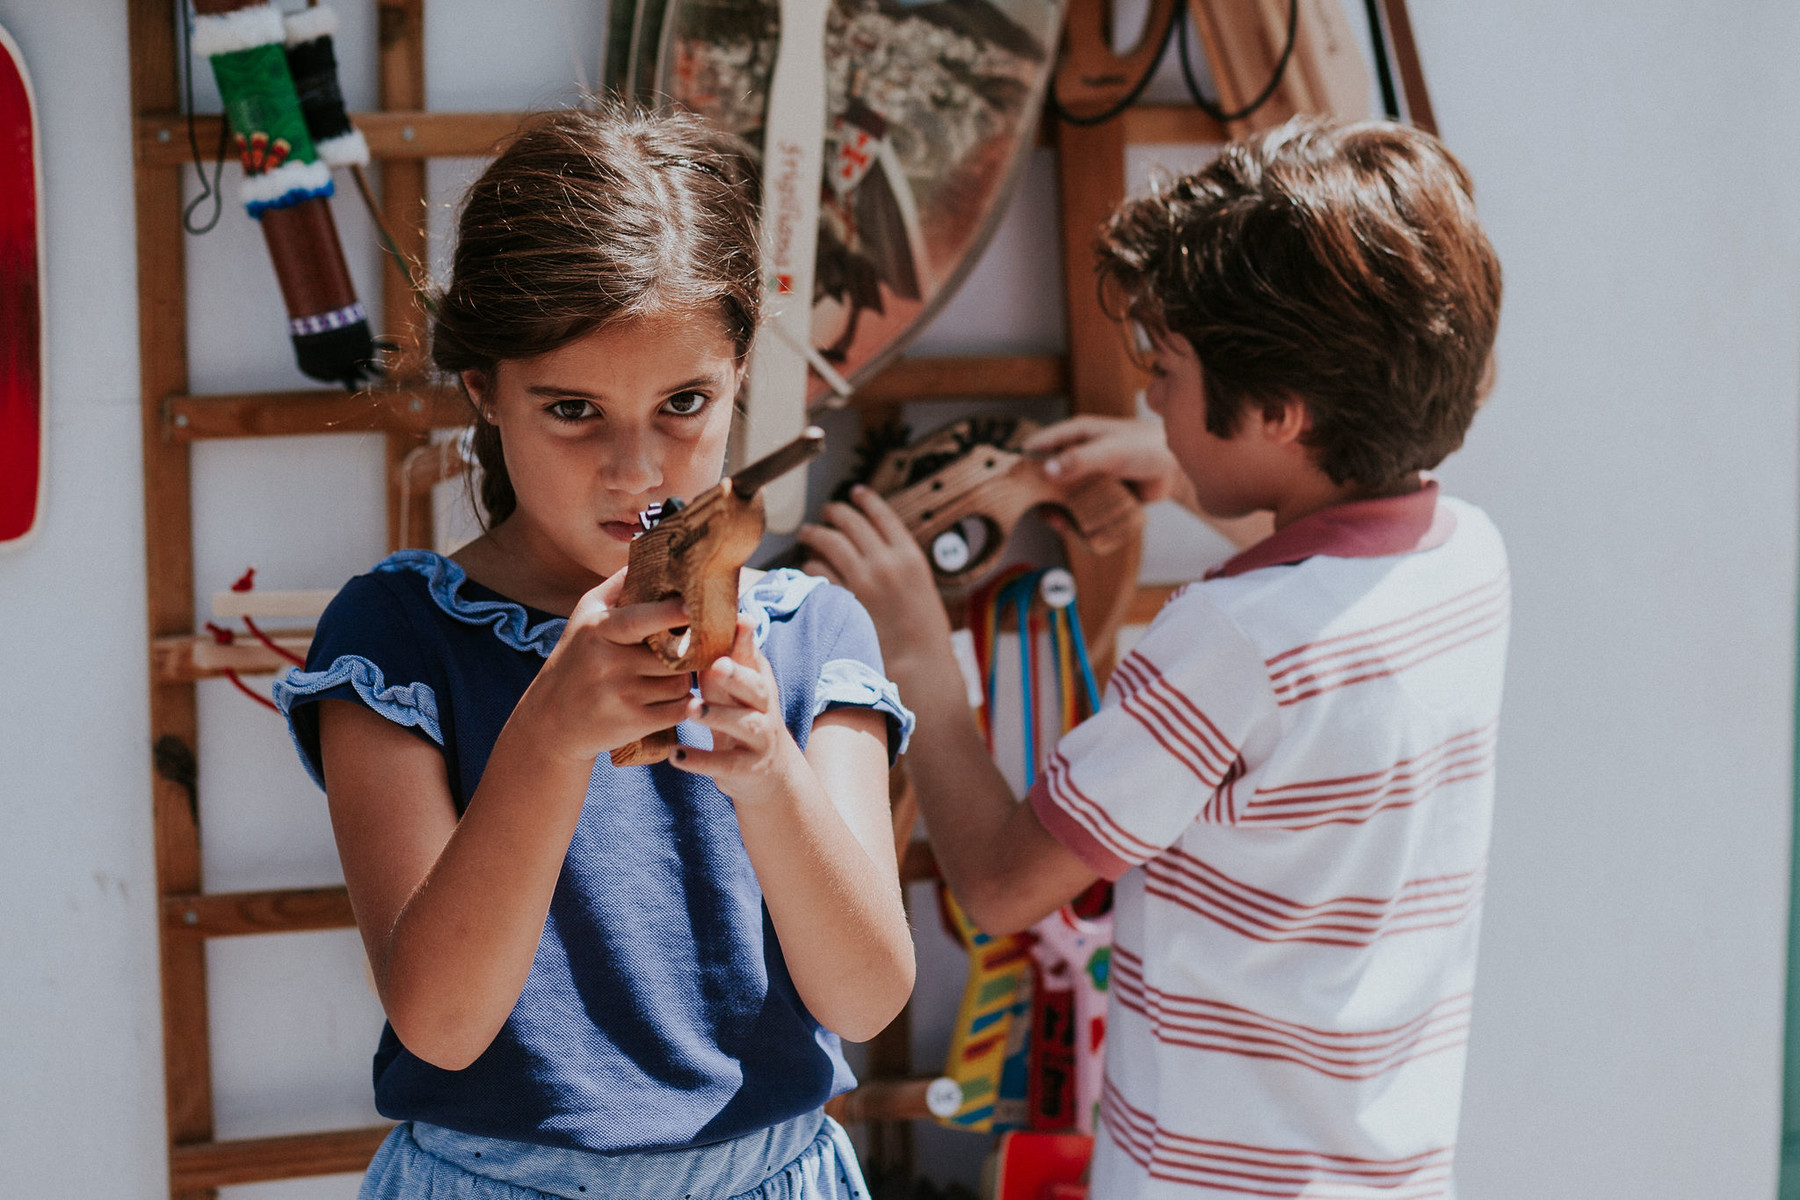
740, 702
602, 687
1128, 449
865, 547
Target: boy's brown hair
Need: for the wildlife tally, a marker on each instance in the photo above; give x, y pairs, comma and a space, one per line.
1341, 264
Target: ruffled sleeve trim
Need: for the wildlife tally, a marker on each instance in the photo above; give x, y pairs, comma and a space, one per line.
444, 579
778, 593
413, 705
852, 683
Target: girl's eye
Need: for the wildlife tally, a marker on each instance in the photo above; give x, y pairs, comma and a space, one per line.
570, 410
686, 404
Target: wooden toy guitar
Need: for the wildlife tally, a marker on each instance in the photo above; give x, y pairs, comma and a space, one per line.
962, 489
695, 552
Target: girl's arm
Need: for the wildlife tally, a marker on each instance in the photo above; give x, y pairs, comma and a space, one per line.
818, 832
451, 911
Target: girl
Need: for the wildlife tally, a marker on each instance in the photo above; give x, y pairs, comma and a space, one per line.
605, 981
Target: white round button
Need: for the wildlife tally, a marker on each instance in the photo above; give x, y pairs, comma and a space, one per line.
1057, 587
950, 551
944, 1097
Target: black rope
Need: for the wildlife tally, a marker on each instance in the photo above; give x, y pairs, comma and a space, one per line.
208, 191
1390, 99
1216, 112
1162, 48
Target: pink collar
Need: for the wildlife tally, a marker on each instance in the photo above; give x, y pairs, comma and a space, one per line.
1376, 528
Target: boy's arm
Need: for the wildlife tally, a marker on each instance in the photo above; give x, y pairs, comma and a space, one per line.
1006, 869
1132, 449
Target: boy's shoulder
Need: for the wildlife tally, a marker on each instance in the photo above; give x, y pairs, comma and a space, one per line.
1283, 595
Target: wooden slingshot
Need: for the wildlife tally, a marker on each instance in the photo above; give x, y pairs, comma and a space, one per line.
962, 489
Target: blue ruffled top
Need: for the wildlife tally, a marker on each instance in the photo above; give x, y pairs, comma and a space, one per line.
658, 1013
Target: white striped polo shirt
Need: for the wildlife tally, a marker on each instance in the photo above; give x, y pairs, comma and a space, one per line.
1291, 778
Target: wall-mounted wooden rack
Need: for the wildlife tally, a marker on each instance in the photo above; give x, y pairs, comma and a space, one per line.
1096, 373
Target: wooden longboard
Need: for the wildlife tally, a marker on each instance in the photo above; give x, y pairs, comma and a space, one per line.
22, 425
928, 110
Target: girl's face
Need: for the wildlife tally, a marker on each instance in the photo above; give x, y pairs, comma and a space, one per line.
597, 430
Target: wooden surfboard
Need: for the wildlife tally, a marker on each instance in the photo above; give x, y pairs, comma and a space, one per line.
22, 425
929, 107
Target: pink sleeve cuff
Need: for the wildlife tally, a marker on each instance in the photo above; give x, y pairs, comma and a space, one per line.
1073, 835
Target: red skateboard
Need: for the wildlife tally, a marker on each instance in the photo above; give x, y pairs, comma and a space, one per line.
21, 305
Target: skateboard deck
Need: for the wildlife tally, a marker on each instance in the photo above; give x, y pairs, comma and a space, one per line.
22, 425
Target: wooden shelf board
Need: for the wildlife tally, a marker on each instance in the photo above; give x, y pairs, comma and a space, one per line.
162, 138
187, 658
231, 914
199, 1165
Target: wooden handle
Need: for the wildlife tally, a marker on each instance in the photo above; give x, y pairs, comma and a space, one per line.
697, 555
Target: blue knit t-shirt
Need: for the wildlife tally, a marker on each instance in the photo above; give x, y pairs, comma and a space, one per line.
658, 1013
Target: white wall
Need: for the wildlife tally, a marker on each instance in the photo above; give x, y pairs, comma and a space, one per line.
1636, 167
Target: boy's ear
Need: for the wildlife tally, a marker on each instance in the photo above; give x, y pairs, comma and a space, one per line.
1287, 422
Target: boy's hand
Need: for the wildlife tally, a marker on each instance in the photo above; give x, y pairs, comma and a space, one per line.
1126, 448
866, 547
740, 702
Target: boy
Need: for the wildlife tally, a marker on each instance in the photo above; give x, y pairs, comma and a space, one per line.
1291, 776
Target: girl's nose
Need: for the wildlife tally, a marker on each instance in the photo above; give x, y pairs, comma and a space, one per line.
632, 464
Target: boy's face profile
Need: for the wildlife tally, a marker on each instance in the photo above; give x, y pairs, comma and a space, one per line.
1232, 476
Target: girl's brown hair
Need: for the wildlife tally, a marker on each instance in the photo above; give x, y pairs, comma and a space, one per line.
589, 217
1341, 264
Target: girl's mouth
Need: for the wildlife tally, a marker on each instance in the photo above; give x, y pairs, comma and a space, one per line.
622, 531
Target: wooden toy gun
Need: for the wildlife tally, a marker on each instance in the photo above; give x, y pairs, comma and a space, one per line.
962, 489
694, 552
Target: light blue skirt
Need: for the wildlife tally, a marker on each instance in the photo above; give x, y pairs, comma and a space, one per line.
808, 1158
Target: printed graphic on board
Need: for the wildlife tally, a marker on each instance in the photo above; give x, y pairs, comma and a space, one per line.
930, 108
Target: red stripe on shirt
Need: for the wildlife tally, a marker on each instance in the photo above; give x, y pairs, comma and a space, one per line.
1197, 1023
1393, 655
1149, 696
1118, 840
1353, 799
1427, 903
1481, 592
1242, 1169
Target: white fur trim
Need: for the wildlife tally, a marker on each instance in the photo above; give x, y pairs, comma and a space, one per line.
344, 150
271, 186
245, 29
310, 23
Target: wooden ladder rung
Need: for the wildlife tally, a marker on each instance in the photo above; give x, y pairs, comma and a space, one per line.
229, 914
882, 1100
162, 138
283, 414
421, 409
199, 1165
